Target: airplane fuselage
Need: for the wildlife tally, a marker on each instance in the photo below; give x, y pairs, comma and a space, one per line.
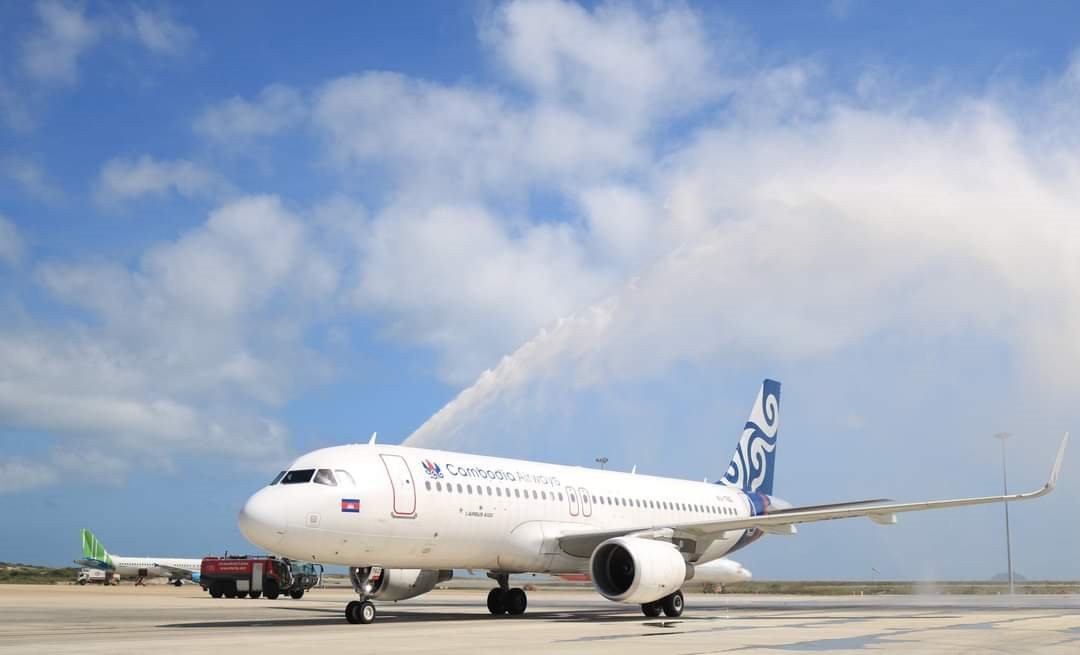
395, 506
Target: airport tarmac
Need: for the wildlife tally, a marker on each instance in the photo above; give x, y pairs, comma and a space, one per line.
126, 619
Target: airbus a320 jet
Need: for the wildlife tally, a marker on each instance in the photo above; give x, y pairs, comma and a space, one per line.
403, 518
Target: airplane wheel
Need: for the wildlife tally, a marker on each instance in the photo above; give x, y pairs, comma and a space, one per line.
297, 594
652, 609
673, 604
177, 583
516, 601
362, 612
352, 612
497, 601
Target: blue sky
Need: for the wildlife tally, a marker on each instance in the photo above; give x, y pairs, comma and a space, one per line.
232, 234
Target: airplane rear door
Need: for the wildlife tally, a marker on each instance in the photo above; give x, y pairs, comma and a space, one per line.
401, 481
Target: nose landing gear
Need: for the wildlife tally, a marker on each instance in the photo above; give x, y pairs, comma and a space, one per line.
360, 611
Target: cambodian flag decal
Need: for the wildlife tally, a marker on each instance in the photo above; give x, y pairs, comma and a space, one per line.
350, 504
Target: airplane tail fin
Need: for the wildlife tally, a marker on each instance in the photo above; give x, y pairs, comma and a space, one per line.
753, 463
93, 550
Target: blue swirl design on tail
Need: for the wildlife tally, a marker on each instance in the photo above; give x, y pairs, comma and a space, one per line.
752, 465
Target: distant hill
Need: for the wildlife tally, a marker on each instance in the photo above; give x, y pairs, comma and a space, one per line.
1004, 577
30, 574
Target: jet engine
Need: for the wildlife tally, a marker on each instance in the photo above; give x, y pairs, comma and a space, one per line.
635, 570
396, 584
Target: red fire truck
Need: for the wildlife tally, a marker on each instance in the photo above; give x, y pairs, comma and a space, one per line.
251, 576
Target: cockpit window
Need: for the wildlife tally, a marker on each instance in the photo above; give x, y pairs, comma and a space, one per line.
298, 476
325, 476
277, 478
344, 478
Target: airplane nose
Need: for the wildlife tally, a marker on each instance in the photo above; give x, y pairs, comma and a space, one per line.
260, 523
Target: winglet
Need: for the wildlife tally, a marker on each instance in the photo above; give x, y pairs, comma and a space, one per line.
372, 439
1054, 472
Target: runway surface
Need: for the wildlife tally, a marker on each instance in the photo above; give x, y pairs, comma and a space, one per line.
69, 619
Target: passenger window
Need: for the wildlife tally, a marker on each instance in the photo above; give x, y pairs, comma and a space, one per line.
438, 486
468, 488
489, 491
543, 495
534, 494
277, 478
325, 476
498, 491
299, 476
560, 496
517, 493
427, 485
459, 490
345, 478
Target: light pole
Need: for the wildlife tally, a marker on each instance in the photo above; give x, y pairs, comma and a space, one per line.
1005, 491
601, 461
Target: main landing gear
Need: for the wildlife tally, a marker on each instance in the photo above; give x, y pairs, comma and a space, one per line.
503, 599
671, 605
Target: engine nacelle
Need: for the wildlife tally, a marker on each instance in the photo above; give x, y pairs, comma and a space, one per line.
635, 570
397, 584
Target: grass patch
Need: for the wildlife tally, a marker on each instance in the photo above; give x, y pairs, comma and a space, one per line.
30, 574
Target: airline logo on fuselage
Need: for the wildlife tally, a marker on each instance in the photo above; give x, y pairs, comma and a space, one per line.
434, 471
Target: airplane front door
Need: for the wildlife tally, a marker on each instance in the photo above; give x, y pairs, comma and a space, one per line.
401, 482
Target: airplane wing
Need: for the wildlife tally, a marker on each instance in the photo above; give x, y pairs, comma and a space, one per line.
582, 544
174, 571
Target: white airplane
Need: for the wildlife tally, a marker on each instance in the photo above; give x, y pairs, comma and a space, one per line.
403, 518
175, 569
721, 571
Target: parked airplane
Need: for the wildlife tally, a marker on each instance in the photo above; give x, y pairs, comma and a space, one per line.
720, 572
403, 518
176, 569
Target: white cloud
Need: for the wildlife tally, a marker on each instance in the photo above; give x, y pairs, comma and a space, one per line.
14, 109
30, 177
189, 351
159, 33
459, 142
19, 474
51, 53
277, 107
795, 225
11, 244
456, 280
615, 61
125, 179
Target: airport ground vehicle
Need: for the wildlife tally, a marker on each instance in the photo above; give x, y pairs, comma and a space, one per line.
96, 576
240, 576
